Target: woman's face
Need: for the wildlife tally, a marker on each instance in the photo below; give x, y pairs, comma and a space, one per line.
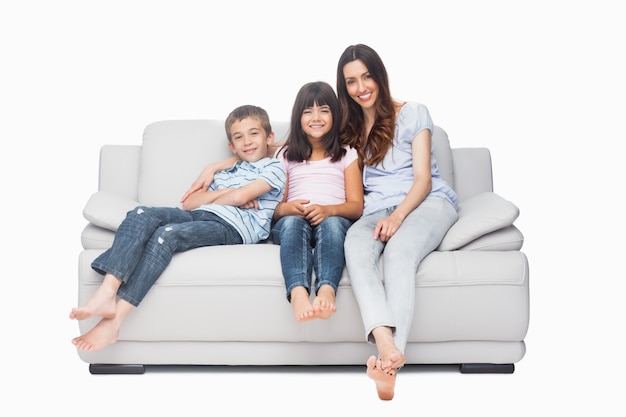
359, 84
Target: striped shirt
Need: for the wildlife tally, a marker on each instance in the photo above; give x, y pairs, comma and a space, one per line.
253, 225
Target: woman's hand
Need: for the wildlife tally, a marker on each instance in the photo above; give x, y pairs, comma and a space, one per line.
387, 227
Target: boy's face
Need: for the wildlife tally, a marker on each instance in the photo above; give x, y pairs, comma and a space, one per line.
249, 141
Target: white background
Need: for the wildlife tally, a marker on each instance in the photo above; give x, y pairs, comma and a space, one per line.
540, 83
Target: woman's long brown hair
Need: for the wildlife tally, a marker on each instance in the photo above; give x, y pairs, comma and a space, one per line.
372, 149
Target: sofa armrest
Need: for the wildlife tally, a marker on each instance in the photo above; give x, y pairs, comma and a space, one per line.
107, 210
479, 215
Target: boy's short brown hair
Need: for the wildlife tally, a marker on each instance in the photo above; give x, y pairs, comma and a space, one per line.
245, 111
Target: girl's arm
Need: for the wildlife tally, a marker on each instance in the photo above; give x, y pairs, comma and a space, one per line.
351, 209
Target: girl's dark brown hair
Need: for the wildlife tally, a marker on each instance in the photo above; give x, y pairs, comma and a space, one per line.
297, 146
372, 149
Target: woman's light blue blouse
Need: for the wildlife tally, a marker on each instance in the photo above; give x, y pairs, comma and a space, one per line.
388, 183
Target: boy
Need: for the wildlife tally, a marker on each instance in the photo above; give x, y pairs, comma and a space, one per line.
149, 236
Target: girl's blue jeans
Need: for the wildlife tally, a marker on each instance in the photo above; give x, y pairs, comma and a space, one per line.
148, 238
305, 248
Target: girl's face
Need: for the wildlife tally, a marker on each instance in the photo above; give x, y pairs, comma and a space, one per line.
316, 121
359, 84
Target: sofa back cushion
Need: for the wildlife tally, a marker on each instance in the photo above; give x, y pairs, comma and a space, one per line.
175, 151
443, 155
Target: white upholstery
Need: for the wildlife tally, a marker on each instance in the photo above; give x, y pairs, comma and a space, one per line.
226, 305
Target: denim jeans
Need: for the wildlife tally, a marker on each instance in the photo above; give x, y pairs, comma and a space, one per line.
387, 298
148, 238
305, 248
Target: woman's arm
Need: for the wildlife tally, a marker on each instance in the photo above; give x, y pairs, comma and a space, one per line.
422, 185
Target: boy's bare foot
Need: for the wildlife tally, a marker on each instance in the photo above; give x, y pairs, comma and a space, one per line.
324, 303
103, 334
101, 304
301, 304
385, 382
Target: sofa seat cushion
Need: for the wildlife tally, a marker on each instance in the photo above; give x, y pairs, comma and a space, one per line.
237, 293
508, 238
471, 295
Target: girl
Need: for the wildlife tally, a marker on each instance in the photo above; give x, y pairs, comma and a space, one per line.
323, 196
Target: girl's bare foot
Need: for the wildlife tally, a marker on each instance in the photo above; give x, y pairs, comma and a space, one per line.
301, 304
385, 382
102, 303
324, 303
103, 334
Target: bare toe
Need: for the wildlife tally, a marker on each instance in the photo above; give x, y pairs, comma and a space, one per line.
385, 383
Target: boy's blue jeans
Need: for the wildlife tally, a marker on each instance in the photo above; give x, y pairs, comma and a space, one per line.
148, 238
304, 248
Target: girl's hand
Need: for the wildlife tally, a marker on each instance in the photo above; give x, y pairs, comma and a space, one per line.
315, 214
291, 208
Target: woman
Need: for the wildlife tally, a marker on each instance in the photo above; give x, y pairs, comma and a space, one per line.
408, 207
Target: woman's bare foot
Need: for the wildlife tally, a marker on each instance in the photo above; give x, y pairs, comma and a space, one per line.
385, 382
391, 359
103, 334
102, 303
301, 304
324, 303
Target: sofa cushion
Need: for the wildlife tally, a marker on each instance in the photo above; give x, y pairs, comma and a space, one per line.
107, 210
479, 215
175, 151
506, 239
173, 154
443, 155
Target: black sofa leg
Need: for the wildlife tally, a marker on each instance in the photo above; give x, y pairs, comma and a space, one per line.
487, 368
105, 368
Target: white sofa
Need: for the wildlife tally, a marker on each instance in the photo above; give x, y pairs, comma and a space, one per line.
226, 305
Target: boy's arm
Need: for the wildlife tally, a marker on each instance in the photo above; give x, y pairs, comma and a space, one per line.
200, 197
206, 176
240, 196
